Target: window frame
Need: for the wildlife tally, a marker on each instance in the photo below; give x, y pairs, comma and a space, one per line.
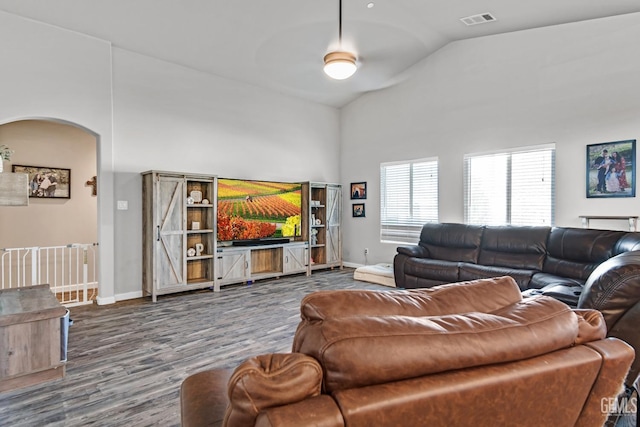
509, 184
393, 230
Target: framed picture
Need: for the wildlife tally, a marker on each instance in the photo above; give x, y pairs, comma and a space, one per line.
47, 182
611, 169
358, 210
358, 190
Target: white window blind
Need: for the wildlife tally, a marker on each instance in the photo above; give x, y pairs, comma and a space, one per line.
408, 199
516, 187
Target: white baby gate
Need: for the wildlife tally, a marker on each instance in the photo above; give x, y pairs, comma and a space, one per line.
70, 271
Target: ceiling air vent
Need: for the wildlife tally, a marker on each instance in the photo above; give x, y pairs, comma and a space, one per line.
481, 18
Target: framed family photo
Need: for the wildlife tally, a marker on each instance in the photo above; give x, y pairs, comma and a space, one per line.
357, 210
611, 169
358, 190
47, 182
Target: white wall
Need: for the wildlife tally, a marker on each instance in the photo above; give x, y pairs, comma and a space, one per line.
163, 117
50, 73
574, 85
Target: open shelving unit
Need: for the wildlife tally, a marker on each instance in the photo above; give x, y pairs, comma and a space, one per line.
321, 224
179, 239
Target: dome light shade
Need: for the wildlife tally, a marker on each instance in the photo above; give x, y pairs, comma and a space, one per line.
340, 65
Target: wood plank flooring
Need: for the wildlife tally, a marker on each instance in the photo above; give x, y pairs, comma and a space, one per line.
127, 360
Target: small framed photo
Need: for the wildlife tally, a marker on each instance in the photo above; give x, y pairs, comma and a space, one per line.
611, 169
47, 182
358, 190
357, 210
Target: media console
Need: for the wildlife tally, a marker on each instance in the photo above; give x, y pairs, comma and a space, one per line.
187, 243
244, 264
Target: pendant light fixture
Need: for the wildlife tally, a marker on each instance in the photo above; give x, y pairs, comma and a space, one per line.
339, 64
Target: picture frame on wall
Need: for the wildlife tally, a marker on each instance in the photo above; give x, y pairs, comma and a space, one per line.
47, 182
357, 210
358, 190
611, 169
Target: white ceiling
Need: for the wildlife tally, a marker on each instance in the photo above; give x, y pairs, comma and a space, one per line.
280, 44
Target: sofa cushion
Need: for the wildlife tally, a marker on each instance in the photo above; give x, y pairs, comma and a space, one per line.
516, 247
452, 242
576, 252
542, 280
365, 350
433, 269
565, 289
270, 380
483, 295
474, 271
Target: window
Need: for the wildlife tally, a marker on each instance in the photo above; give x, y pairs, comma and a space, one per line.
516, 187
408, 199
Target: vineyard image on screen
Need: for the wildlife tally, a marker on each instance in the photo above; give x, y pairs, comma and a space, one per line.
250, 210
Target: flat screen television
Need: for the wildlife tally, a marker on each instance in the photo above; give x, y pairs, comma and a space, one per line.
258, 211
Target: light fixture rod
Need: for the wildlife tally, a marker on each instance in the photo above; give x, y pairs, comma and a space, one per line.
340, 25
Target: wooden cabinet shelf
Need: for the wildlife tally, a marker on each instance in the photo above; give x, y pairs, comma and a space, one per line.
322, 223
175, 223
194, 258
199, 205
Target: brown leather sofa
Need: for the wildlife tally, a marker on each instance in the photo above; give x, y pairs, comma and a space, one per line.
463, 354
585, 268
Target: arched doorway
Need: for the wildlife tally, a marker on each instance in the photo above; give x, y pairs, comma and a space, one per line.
55, 221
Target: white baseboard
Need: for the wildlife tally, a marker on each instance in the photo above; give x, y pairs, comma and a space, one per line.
105, 301
128, 295
119, 297
352, 264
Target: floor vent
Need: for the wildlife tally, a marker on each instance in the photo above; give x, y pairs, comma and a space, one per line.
481, 18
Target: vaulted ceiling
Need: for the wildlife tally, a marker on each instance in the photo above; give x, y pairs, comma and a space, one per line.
280, 44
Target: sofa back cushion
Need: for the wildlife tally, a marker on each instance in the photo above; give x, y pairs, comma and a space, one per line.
452, 242
483, 295
517, 247
365, 350
576, 252
627, 243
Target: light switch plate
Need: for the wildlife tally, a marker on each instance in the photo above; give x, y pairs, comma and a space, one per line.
123, 205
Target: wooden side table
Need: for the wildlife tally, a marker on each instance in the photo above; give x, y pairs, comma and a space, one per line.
29, 337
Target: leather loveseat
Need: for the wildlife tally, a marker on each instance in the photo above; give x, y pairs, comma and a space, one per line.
463, 354
585, 268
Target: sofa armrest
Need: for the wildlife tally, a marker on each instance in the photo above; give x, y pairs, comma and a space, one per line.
268, 381
413, 251
613, 287
203, 398
405, 253
315, 411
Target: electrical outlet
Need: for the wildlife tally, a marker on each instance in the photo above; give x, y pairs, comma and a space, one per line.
366, 251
